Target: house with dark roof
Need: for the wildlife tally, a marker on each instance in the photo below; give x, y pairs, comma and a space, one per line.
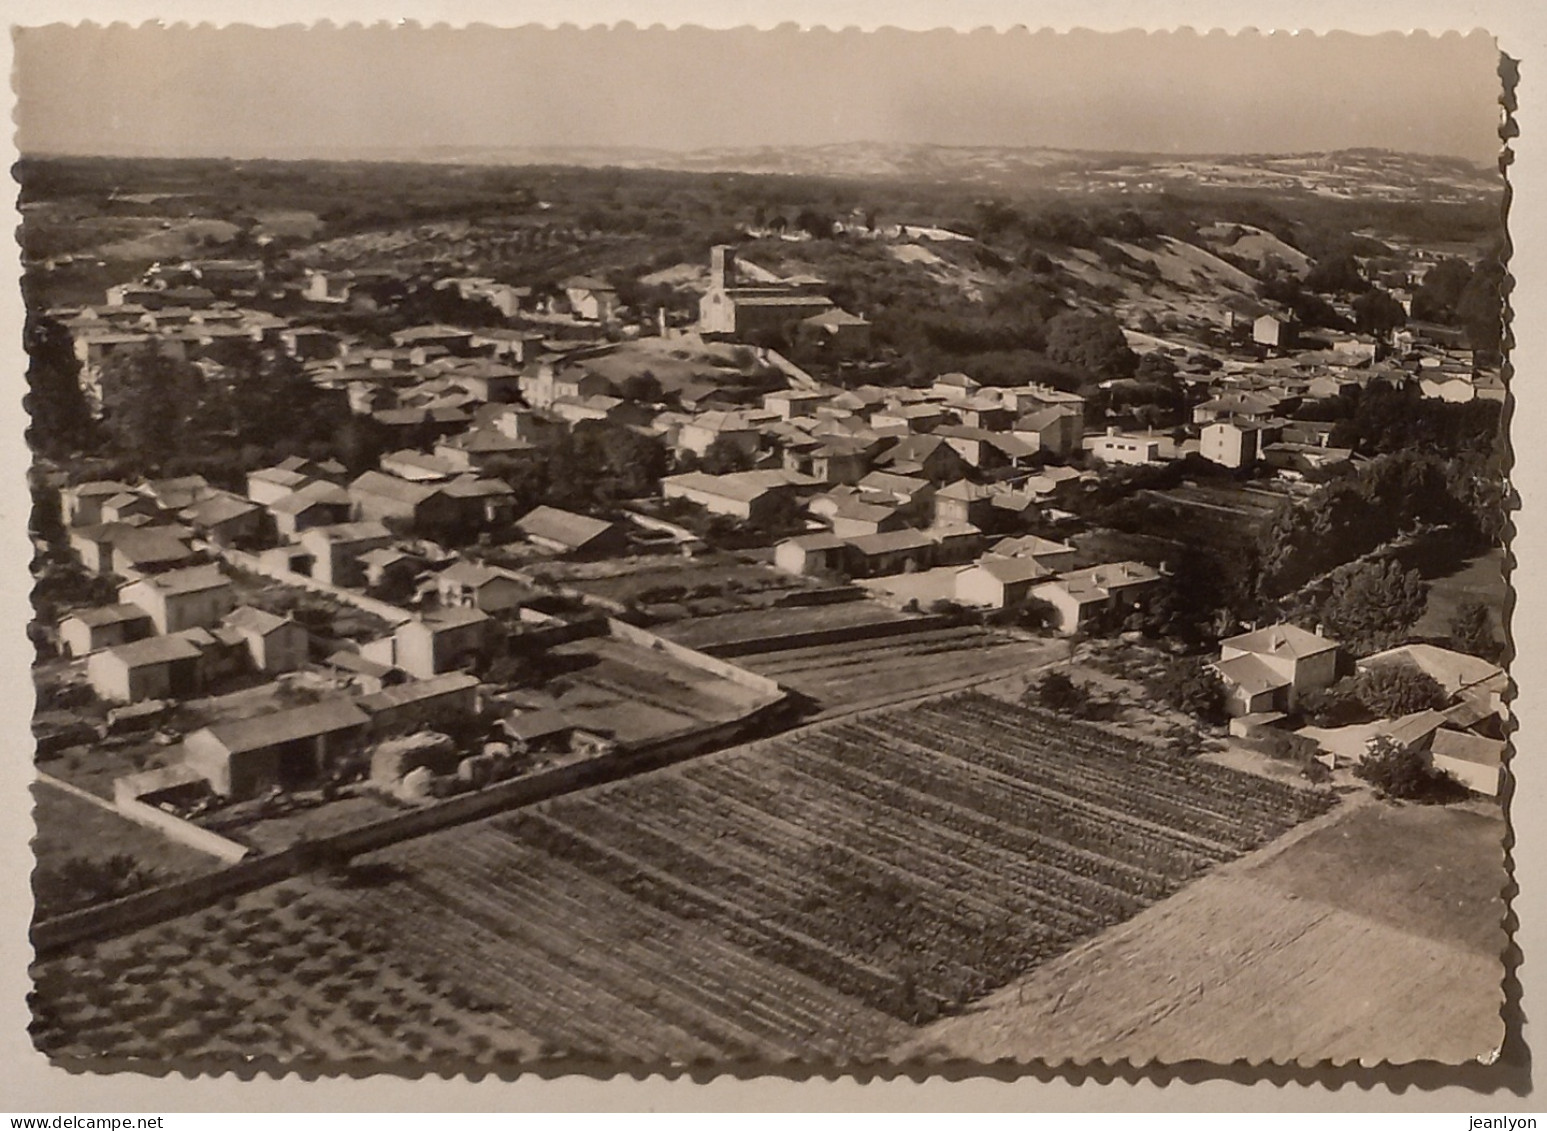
927, 457
896, 551
835, 333
564, 532
483, 449
751, 496
808, 554
289, 749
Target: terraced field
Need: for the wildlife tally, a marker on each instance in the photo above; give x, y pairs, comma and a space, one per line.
815, 896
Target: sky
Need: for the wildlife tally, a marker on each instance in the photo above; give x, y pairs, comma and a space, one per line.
286, 92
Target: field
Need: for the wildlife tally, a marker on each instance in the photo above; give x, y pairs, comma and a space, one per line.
619, 689
70, 826
721, 578
757, 624
838, 676
813, 896
1374, 935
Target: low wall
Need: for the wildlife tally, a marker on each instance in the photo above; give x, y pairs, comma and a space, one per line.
846, 634
183, 897
832, 595
184, 832
699, 659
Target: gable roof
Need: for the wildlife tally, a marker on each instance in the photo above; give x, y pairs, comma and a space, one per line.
415, 691
277, 727
561, 526
218, 509
1472, 748
155, 650
246, 618
1451, 669
1009, 571
391, 487
105, 615
1251, 674
194, 579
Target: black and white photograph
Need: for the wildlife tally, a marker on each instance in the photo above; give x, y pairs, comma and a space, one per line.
596, 549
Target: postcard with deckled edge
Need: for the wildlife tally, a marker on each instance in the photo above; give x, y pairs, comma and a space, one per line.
565, 550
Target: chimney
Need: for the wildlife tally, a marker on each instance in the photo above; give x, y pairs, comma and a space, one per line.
722, 262
1112, 430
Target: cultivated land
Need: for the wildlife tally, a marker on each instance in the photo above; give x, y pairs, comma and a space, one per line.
761, 624
810, 896
872, 672
1373, 934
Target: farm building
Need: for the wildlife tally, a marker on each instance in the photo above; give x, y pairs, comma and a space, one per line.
441, 701
482, 502
290, 749
275, 644
440, 641
1476, 762
811, 553
91, 630
897, 551
752, 496
158, 667
565, 532
1079, 595
476, 586
850, 517
185, 598
998, 583
1271, 668
538, 731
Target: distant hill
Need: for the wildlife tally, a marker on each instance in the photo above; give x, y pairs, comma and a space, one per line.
1342, 173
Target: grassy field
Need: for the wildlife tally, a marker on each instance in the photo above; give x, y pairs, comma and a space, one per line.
68, 826
1374, 936
813, 896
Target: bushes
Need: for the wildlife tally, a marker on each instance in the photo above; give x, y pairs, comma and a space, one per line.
1189, 685
1391, 690
1404, 773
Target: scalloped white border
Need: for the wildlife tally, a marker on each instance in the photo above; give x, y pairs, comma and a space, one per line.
1521, 27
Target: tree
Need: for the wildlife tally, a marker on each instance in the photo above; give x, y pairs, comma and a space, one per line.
1094, 342
148, 399
724, 456
1471, 629
1190, 685
1337, 274
642, 387
60, 418
1436, 298
1372, 604
1401, 772
1392, 690
1057, 692
1376, 312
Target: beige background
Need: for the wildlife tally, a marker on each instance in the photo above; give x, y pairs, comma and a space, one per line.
28, 1084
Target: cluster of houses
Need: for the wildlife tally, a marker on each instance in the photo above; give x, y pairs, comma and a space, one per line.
1268, 672
1246, 416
